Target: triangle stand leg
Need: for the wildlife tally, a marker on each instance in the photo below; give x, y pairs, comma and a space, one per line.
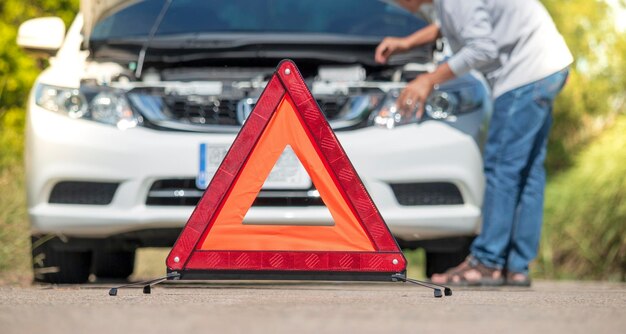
147, 285
435, 287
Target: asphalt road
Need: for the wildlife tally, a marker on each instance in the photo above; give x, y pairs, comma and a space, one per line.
547, 307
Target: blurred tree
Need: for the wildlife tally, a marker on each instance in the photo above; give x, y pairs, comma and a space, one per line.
585, 199
595, 90
18, 70
17, 73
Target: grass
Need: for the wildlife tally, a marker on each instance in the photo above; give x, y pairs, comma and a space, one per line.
585, 232
150, 263
416, 263
14, 231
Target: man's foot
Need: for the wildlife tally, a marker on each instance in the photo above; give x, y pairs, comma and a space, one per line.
517, 279
470, 273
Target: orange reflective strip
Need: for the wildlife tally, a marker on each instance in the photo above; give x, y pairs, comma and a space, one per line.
228, 231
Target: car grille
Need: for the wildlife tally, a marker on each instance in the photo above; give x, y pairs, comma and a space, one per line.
432, 193
213, 111
202, 110
86, 193
183, 192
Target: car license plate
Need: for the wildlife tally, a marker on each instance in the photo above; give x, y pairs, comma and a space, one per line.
288, 173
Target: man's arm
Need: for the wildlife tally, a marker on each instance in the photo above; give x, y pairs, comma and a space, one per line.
392, 45
472, 22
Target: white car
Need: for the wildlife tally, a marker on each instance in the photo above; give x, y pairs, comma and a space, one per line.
143, 98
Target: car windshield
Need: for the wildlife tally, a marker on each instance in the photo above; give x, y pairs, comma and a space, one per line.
358, 18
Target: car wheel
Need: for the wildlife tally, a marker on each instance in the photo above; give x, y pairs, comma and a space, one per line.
54, 263
114, 263
439, 262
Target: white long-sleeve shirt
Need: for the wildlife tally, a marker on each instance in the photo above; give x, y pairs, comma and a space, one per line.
512, 42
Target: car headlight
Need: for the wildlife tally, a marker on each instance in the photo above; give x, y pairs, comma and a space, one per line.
441, 105
112, 108
63, 100
105, 106
388, 115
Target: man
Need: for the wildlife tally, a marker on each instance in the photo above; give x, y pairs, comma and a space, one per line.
517, 47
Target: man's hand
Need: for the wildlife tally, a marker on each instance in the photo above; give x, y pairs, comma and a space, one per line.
388, 47
393, 45
415, 95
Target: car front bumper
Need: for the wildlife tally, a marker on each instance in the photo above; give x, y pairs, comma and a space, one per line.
63, 149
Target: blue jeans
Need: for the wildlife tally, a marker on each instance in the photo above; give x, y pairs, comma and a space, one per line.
514, 170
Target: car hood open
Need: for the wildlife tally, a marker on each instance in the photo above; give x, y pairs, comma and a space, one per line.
94, 10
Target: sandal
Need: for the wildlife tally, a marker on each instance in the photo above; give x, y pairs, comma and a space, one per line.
517, 279
470, 273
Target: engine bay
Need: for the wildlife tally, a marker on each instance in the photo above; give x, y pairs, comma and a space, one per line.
221, 98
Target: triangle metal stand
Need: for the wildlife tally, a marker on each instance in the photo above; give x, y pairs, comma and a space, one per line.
435, 287
147, 285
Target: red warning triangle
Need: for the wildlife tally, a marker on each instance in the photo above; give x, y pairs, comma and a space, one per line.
216, 243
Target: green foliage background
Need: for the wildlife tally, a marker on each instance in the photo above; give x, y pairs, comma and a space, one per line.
17, 73
585, 216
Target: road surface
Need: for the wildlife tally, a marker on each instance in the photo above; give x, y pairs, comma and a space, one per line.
253, 307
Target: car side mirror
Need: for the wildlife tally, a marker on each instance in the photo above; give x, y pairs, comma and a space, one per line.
42, 36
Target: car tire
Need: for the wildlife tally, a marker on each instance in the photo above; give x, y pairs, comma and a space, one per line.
439, 262
54, 263
118, 264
